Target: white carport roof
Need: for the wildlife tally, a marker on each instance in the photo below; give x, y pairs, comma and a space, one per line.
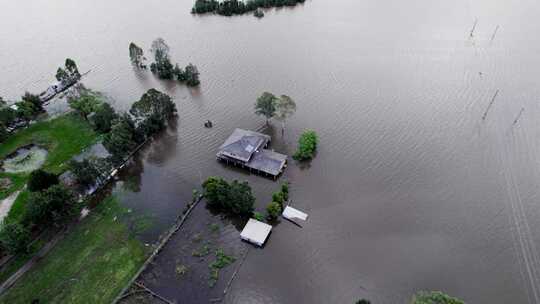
255, 232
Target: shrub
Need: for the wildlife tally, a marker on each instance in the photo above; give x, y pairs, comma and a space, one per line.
285, 191
14, 237
258, 216
273, 210
278, 197
307, 145
41, 180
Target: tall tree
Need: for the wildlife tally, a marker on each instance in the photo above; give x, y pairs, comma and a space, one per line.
103, 118
71, 68
34, 99
136, 55
266, 105
162, 65
192, 75
153, 111
85, 104
285, 108
121, 140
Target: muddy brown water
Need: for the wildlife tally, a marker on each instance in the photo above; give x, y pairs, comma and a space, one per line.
410, 189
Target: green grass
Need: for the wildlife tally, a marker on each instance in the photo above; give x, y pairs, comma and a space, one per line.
91, 265
64, 137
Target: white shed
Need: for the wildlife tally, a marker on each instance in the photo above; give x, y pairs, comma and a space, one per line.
256, 232
291, 214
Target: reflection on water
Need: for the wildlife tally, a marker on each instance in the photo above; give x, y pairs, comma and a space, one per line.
410, 188
25, 159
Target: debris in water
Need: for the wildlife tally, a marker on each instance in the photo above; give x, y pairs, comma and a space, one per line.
518, 116
473, 28
494, 33
490, 104
208, 124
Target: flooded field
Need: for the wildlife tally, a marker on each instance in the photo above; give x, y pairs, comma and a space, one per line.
422, 180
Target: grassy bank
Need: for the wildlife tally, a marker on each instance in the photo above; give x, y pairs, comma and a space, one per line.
63, 137
91, 265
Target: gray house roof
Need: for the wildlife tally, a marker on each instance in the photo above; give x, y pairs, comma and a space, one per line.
242, 144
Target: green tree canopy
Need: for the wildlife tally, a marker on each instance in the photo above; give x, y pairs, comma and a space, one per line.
273, 210
136, 55
153, 111
51, 207
14, 237
307, 145
85, 104
235, 197
34, 99
121, 140
40, 180
191, 75
162, 65
103, 118
266, 105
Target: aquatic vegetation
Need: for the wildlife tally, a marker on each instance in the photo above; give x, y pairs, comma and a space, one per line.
201, 252
181, 269
222, 261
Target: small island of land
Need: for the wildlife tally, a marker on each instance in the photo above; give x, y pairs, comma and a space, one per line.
238, 7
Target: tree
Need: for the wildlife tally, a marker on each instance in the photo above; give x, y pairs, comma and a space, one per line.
40, 180
240, 199
136, 55
278, 197
54, 206
266, 105
285, 191
192, 75
121, 140
14, 237
69, 73
363, 301
307, 145
85, 172
153, 111
235, 197
285, 108
26, 110
273, 210
33, 99
71, 69
216, 191
103, 118
434, 297
2, 102
7, 116
162, 66
85, 104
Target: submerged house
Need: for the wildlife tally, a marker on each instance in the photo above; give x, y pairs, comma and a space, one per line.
248, 149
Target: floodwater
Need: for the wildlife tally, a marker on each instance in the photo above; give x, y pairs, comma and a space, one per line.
410, 190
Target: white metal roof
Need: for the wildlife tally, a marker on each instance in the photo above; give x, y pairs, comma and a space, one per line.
255, 232
291, 214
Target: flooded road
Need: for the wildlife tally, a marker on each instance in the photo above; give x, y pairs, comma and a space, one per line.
411, 189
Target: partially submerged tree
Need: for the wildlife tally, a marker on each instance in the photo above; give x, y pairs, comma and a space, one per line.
285, 108
235, 197
136, 55
266, 105
191, 75
307, 145
273, 210
152, 111
85, 172
69, 73
162, 65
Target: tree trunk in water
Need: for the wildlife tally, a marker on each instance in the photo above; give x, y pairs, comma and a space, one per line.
282, 128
